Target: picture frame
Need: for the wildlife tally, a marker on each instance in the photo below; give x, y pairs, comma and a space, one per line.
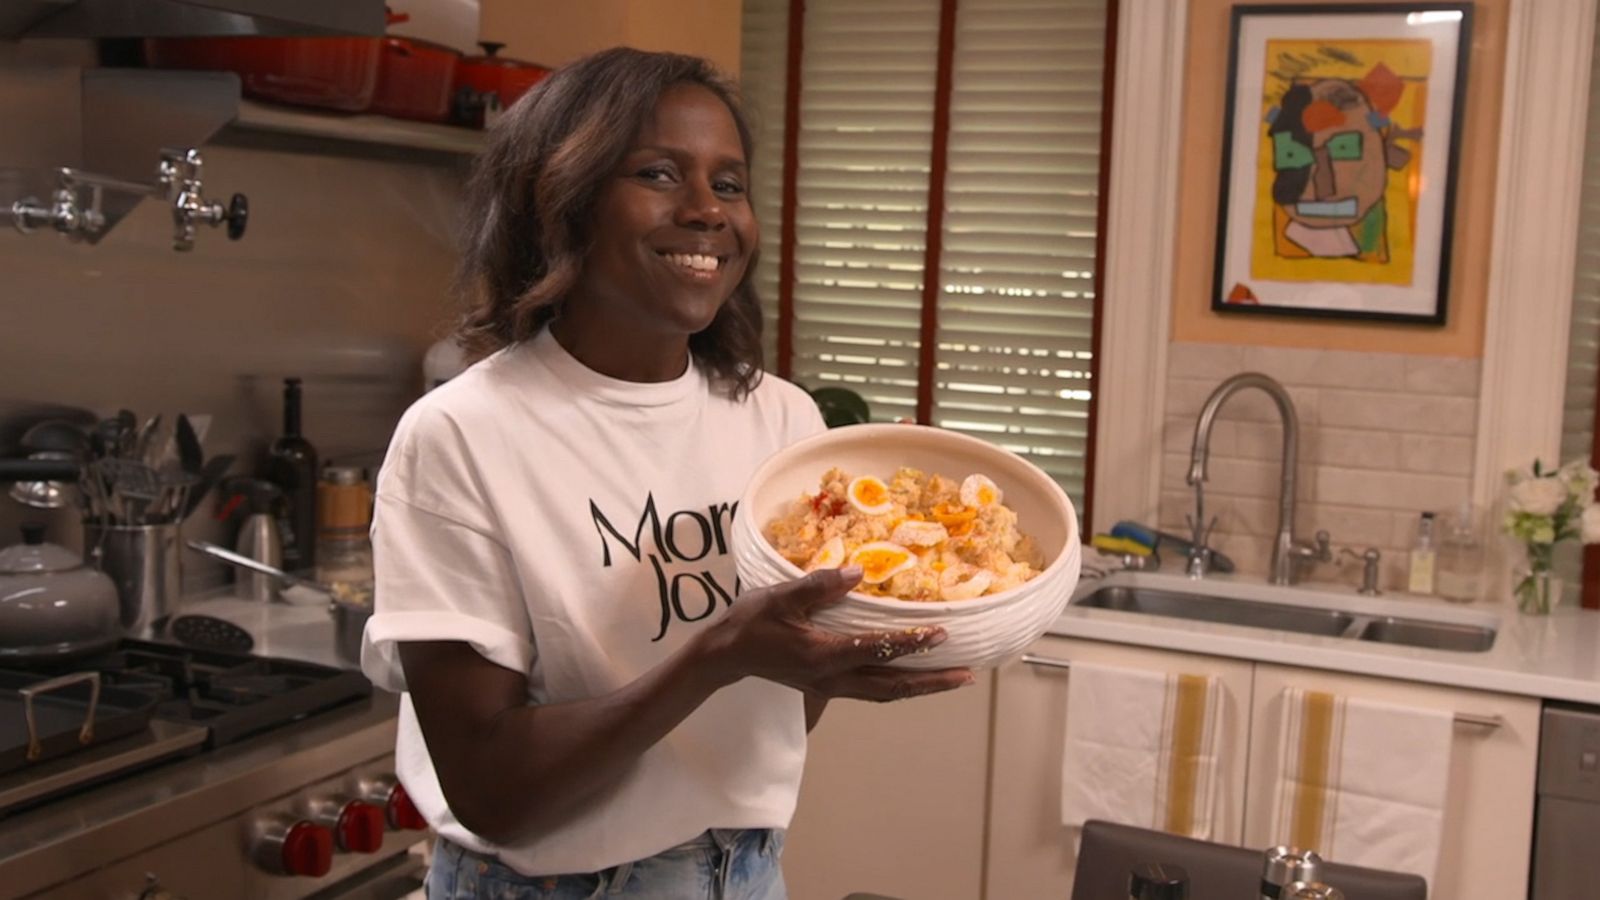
1340, 136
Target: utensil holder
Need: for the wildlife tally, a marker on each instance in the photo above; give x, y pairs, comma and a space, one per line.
145, 563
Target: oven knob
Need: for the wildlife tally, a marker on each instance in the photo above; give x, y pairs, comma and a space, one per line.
285, 845
398, 810
357, 825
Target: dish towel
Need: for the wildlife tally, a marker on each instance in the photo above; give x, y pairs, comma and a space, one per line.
1363, 782
1141, 749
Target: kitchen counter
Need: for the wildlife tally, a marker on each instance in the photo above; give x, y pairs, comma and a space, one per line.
1554, 657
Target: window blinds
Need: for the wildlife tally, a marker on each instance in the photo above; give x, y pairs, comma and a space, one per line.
1015, 292
1583, 353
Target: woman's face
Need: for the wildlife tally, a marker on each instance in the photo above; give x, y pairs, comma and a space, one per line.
673, 229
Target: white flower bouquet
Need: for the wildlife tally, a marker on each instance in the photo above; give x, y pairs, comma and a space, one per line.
1544, 508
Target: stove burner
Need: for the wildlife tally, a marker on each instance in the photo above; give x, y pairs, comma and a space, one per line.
235, 695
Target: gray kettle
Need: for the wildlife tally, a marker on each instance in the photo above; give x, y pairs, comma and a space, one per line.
53, 605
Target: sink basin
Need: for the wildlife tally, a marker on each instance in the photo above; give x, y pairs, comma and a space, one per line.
1364, 626
1433, 635
1229, 611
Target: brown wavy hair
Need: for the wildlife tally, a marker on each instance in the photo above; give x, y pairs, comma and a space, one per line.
531, 196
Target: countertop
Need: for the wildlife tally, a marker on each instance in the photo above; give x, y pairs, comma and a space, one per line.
1554, 657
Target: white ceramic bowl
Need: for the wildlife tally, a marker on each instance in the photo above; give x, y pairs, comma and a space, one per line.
983, 632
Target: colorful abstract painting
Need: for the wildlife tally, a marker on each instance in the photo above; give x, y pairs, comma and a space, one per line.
1341, 132
1339, 167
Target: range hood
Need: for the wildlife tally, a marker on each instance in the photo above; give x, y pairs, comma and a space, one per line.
187, 18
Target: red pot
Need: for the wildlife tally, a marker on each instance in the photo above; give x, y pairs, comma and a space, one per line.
416, 79
330, 72
488, 84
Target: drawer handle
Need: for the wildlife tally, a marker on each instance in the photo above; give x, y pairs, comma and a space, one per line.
1481, 721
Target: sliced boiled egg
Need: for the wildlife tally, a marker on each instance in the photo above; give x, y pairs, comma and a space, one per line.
912, 533
952, 588
870, 495
829, 556
978, 490
882, 560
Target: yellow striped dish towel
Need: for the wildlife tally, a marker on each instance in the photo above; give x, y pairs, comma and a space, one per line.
1362, 782
1141, 749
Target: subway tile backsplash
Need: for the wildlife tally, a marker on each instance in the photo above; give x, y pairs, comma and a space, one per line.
1383, 436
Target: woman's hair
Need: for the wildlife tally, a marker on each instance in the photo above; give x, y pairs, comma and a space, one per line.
531, 200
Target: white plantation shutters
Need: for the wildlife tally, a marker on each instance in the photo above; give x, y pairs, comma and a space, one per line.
1015, 298
1016, 305
1583, 356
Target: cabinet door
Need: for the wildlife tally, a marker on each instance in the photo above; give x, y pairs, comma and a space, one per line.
892, 801
1488, 820
1030, 853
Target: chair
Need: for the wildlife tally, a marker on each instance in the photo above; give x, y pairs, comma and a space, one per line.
1216, 871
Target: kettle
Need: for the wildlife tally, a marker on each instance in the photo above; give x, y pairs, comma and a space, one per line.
53, 605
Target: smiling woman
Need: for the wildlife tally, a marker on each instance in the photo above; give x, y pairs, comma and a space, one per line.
587, 707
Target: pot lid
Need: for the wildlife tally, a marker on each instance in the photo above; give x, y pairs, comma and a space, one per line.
35, 555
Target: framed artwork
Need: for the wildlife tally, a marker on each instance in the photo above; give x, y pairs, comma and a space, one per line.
1339, 160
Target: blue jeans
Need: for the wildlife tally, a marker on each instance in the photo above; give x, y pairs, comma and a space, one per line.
720, 864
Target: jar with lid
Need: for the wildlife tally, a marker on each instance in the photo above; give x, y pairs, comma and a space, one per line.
344, 517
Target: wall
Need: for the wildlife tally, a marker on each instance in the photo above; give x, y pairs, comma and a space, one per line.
1387, 412
341, 279
553, 33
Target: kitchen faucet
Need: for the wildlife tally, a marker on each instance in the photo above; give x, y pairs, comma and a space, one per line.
1285, 549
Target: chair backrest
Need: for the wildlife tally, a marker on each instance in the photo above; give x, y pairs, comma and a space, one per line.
1216, 871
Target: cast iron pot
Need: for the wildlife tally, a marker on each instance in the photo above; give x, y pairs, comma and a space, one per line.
52, 605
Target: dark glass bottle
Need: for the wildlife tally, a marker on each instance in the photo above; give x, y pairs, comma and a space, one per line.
292, 466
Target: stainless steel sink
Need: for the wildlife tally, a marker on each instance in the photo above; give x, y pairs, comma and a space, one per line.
1433, 635
1287, 617
1251, 613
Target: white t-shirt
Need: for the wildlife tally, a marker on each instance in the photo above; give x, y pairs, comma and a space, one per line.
575, 527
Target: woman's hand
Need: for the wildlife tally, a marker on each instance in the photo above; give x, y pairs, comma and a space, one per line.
768, 634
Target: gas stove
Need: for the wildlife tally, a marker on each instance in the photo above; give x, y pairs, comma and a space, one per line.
249, 776
194, 700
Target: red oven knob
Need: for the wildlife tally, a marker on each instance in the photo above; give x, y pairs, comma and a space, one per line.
402, 813
308, 850
286, 845
360, 828
357, 825
387, 792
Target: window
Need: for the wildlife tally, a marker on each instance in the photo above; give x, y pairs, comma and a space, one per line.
1009, 156
1583, 348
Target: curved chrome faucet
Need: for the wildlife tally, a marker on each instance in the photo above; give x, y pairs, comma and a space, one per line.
1285, 549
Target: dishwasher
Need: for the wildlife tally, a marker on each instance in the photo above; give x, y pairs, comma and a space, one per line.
1568, 812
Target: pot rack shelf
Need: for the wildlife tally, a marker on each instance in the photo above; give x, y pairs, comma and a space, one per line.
356, 129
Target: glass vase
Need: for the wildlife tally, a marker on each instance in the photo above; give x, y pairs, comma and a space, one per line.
1538, 590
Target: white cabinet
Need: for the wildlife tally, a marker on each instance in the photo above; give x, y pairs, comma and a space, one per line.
1030, 854
1488, 821
893, 799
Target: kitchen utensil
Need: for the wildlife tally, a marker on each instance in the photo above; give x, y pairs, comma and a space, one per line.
984, 631
416, 80
200, 630
245, 562
144, 563
43, 717
189, 451
210, 474
52, 605
490, 83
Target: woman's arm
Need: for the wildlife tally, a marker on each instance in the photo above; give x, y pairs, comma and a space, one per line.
509, 769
